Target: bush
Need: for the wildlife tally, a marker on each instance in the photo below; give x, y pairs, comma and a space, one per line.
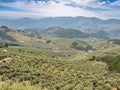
81, 46
113, 62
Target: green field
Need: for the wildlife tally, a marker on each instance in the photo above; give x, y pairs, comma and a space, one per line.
43, 69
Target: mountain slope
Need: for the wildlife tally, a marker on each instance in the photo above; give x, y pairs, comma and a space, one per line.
72, 33
63, 33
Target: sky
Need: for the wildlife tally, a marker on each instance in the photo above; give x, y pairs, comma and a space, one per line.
104, 9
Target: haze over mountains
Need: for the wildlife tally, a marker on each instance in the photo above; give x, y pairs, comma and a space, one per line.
110, 26
80, 22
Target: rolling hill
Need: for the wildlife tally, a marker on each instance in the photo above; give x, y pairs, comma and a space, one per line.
72, 33
63, 33
18, 37
3, 34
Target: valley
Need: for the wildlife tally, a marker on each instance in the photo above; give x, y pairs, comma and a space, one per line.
51, 60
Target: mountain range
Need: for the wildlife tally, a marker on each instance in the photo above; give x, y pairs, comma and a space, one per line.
110, 26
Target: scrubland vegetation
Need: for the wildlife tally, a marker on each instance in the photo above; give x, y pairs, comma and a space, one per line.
33, 69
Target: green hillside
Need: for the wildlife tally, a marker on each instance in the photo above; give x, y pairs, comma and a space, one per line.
3, 34
51, 70
19, 37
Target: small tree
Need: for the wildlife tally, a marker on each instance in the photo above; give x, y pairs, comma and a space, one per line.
93, 58
74, 45
48, 41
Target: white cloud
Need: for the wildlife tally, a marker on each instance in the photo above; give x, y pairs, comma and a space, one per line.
53, 9
14, 14
88, 3
117, 3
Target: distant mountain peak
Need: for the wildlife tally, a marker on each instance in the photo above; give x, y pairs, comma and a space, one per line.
77, 23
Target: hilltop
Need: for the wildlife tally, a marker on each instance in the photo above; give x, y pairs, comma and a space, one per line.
17, 37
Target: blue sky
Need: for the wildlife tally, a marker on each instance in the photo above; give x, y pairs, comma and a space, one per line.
60, 8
